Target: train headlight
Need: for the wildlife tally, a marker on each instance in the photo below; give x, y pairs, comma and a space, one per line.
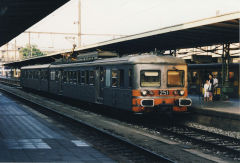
181, 92
175, 92
151, 93
144, 92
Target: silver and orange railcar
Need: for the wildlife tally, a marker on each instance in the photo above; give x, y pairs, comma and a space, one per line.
140, 83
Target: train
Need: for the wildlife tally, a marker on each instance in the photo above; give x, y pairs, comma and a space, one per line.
198, 73
136, 83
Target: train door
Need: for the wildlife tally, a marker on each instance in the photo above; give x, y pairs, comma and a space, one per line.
99, 84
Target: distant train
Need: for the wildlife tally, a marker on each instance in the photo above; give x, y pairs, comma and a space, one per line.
141, 83
199, 72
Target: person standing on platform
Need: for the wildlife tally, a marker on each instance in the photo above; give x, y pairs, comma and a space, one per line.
206, 92
215, 85
210, 89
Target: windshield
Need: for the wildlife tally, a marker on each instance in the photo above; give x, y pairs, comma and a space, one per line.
150, 78
175, 78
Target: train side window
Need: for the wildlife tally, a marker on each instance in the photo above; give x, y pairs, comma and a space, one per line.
82, 77
56, 75
39, 74
33, 76
91, 77
87, 76
79, 77
64, 76
108, 77
74, 77
43, 74
121, 78
52, 75
70, 76
115, 78
60, 75
130, 76
30, 75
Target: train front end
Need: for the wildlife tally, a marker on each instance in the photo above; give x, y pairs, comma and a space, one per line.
161, 88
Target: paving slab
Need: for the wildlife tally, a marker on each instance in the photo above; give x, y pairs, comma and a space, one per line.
25, 137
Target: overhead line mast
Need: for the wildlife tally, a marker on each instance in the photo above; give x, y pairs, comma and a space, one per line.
79, 23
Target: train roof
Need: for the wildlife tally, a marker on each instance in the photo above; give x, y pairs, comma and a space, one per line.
134, 59
36, 66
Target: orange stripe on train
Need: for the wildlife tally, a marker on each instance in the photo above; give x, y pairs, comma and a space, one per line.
156, 92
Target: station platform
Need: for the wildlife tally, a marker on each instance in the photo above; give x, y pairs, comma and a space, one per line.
28, 136
225, 113
231, 106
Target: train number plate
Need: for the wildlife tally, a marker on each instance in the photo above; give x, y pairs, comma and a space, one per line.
163, 92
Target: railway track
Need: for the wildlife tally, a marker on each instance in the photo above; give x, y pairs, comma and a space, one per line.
121, 149
205, 139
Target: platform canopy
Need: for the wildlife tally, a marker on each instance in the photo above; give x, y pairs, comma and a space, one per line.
18, 15
205, 32
210, 31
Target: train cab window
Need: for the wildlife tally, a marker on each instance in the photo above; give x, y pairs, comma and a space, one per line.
175, 78
115, 80
130, 76
150, 78
91, 77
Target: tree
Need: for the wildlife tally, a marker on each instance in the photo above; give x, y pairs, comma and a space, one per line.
30, 51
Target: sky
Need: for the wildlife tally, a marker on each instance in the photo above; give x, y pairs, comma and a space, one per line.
119, 17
